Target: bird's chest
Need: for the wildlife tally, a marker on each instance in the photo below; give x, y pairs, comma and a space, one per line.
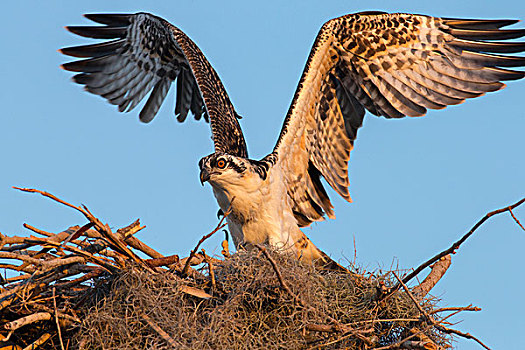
259, 214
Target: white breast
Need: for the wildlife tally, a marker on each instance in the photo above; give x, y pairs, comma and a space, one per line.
260, 211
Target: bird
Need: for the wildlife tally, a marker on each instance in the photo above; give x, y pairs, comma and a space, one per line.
389, 64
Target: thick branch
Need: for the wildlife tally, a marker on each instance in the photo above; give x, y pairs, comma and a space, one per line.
437, 272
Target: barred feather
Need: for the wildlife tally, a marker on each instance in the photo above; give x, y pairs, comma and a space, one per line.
393, 65
146, 55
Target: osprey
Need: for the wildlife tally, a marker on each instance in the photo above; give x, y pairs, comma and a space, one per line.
392, 65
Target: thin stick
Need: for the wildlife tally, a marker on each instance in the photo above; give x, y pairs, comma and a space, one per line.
38, 342
284, 285
194, 251
165, 261
516, 219
465, 308
429, 319
103, 229
357, 333
400, 343
128, 233
355, 251
384, 320
56, 319
457, 244
210, 269
160, 331
220, 226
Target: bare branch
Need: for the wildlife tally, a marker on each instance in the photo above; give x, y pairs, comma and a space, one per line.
457, 244
284, 285
220, 226
516, 219
43, 338
104, 229
437, 272
160, 331
14, 325
56, 319
465, 308
430, 320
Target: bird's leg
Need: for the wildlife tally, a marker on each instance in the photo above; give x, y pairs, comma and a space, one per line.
225, 243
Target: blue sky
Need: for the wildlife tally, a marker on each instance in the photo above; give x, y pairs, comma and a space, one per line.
417, 184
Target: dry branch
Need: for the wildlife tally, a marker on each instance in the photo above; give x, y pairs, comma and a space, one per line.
219, 226
160, 331
431, 320
437, 272
458, 243
60, 272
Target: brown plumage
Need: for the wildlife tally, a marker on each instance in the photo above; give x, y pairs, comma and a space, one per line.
393, 65
148, 54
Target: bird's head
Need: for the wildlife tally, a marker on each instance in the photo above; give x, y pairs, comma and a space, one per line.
223, 170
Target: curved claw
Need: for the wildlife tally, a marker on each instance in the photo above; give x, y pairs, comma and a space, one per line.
220, 213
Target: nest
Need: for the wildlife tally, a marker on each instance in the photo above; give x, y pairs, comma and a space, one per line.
91, 288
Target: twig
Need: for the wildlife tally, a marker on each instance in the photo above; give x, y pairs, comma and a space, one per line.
381, 320
56, 319
77, 233
516, 219
23, 321
210, 269
164, 261
461, 334
329, 328
103, 229
160, 331
457, 244
128, 233
43, 338
220, 225
430, 320
355, 251
354, 332
465, 308
284, 285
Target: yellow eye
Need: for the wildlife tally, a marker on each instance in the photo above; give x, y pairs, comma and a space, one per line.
221, 164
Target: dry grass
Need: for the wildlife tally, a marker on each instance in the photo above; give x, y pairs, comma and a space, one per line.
250, 310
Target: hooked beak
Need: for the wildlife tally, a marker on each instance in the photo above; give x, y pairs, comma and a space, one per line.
205, 176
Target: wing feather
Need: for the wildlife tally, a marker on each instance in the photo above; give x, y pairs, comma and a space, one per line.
393, 65
145, 55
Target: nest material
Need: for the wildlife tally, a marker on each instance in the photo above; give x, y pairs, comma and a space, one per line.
249, 309
88, 288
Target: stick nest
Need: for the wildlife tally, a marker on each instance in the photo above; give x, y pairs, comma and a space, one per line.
89, 287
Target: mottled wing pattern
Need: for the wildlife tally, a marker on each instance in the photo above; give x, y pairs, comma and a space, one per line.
147, 54
393, 65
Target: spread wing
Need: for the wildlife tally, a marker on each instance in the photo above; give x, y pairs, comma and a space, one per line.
393, 65
147, 54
